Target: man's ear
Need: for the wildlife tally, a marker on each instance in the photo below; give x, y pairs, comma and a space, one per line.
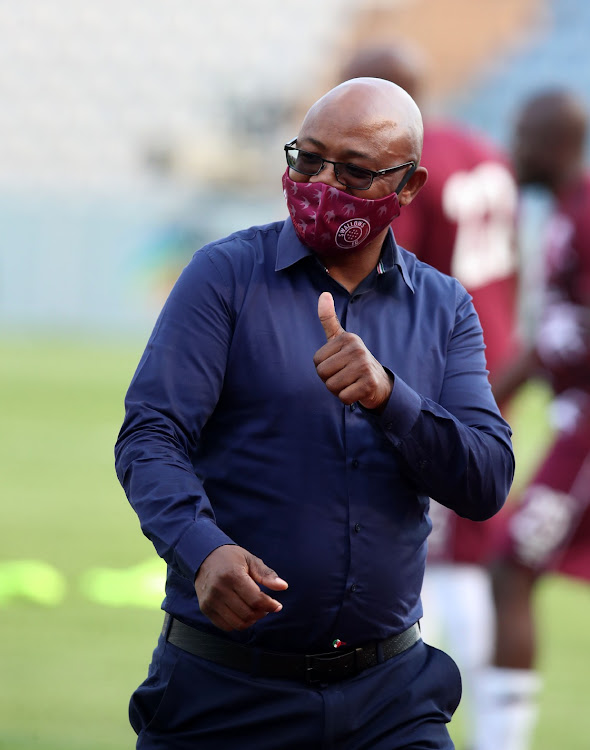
413, 186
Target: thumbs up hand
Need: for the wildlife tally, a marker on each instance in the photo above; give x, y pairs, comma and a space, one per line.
346, 366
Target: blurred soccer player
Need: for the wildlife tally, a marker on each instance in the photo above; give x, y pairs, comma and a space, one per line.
550, 528
464, 225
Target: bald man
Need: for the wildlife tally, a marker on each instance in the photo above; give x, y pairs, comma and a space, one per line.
308, 386
549, 530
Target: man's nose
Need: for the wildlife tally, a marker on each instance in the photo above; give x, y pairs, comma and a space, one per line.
327, 175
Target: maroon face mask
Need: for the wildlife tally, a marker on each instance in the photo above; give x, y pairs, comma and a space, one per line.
332, 221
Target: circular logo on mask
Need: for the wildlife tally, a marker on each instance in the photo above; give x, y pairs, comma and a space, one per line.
352, 233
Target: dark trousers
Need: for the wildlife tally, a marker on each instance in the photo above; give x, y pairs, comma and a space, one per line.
187, 703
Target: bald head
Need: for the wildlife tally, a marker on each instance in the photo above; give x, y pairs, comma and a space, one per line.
399, 62
371, 110
549, 139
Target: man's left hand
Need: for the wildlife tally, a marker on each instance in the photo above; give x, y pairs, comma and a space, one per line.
346, 366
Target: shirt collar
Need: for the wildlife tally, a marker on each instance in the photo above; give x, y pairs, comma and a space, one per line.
290, 250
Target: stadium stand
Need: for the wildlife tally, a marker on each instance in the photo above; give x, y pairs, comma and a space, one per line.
90, 84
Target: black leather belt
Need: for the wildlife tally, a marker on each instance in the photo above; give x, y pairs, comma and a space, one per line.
311, 668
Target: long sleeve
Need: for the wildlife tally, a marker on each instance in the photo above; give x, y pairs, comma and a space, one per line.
456, 450
174, 390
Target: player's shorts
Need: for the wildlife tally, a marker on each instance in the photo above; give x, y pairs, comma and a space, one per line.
549, 530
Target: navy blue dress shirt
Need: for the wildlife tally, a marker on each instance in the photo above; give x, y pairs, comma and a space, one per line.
231, 437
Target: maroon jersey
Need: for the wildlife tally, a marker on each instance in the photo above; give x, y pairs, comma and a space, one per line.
463, 223
563, 340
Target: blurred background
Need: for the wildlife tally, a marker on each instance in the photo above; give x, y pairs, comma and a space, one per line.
131, 133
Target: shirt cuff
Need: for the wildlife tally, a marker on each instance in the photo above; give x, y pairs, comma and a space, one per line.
197, 543
401, 411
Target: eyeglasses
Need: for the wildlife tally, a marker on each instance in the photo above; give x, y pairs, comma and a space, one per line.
349, 175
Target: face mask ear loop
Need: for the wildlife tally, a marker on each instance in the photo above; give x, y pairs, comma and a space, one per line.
405, 179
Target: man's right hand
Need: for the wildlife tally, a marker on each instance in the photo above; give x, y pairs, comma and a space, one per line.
228, 590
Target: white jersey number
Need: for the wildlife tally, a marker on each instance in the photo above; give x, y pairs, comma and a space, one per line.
483, 204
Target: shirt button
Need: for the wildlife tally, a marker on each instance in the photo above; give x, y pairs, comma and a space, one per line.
357, 527
353, 588
389, 426
354, 463
353, 407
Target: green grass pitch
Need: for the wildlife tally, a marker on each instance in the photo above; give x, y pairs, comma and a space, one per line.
68, 668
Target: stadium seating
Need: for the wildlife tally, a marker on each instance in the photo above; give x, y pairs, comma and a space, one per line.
91, 85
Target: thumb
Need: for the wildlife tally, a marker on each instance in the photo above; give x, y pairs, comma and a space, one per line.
264, 575
328, 317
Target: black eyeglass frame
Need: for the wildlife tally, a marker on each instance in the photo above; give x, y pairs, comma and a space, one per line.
290, 147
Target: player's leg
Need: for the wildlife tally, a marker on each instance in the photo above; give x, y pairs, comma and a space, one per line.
506, 693
457, 598
540, 534
516, 643
470, 625
459, 617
